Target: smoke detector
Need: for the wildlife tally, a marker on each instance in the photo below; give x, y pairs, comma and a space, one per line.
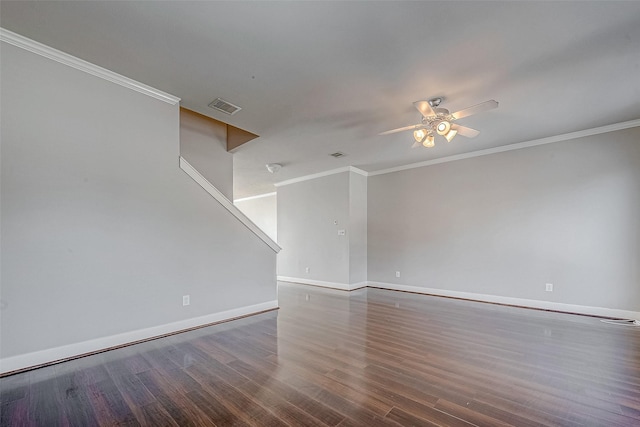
224, 106
274, 167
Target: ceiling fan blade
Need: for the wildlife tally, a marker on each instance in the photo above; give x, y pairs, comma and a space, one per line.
398, 130
425, 108
416, 144
465, 131
483, 106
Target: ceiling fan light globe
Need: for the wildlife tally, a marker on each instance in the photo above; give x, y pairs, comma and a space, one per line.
449, 136
429, 141
443, 127
419, 135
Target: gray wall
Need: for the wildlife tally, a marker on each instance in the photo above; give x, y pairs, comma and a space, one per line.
263, 211
307, 229
203, 143
505, 224
102, 233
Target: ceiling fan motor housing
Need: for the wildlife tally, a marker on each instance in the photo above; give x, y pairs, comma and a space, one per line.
440, 120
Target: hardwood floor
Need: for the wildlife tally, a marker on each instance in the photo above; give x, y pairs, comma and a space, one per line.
366, 358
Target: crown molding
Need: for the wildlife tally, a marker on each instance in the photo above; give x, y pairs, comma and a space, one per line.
321, 174
81, 65
556, 138
259, 196
358, 171
517, 146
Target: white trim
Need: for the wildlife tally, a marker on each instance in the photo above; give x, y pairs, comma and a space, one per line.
321, 174
332, 285
544, 305
358, 285
81, 65
358, 171
37, 358
221, 198
516, 146
259, 196
557, 138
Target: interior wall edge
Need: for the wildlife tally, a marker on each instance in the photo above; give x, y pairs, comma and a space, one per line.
259, 196
227, 204
519, 302
53, 355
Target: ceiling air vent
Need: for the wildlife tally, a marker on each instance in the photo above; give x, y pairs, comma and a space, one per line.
224, 106
336, 154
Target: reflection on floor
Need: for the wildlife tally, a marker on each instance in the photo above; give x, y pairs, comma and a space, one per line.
368, 357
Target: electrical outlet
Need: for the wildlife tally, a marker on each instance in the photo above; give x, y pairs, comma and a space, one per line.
342, 232
186, 300
549, 287
397, 274
306, 270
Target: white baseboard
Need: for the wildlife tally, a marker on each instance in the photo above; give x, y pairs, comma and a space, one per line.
332, 285
521, 302
37, 358
358, 285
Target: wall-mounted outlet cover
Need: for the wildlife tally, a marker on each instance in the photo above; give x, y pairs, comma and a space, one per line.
186, 300
549, 287
306, 270
397, 274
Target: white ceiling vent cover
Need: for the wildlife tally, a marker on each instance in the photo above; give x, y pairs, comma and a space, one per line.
224, 106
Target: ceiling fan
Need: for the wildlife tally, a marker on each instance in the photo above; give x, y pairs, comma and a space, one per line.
436, 120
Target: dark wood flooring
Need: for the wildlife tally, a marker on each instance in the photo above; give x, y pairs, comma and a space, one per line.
366, 358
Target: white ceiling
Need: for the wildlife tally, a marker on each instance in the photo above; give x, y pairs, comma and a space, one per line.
313, 78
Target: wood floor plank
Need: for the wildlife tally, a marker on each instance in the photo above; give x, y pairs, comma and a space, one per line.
109, 406
369, 358
154, 414
15, 412
242, 406
311, 406
404, 418
45, 400
283, 409
410, 404
216, 411
15, 387
75, 400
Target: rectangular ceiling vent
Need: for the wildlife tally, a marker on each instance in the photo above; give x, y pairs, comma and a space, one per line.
336, 154
224, 106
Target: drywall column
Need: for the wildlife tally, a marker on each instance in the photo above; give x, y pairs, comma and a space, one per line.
310, 213
322, 229
357, 229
